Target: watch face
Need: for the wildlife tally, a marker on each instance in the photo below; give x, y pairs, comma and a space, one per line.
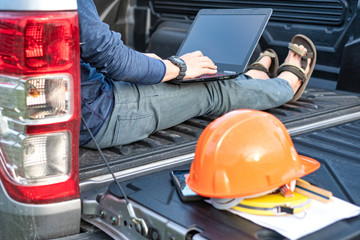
180, 60
177, 60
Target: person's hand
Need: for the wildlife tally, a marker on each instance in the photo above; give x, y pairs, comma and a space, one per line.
198, 64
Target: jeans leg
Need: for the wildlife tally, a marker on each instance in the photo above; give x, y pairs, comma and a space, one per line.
140, 110
250, 93
143, 109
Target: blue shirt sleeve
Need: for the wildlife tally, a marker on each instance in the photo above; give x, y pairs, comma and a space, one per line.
104, 50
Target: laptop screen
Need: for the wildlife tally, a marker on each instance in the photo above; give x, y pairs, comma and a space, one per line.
227, 36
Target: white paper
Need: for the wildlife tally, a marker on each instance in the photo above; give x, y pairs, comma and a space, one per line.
318, 216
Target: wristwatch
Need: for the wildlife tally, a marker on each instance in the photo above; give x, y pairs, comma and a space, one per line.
181, 64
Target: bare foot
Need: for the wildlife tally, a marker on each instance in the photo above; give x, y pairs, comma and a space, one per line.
295, 59
256, 74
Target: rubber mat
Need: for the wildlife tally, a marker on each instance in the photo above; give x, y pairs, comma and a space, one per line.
181, 139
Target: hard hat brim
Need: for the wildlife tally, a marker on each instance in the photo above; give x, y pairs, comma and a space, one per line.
310, 165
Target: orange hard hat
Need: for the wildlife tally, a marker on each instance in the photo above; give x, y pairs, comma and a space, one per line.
245, 153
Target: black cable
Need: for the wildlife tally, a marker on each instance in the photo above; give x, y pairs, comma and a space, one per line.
106, 162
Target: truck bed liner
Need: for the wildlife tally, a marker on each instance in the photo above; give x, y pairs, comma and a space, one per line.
317, 104
156, 192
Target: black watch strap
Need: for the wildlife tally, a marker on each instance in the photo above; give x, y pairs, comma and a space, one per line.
181, 64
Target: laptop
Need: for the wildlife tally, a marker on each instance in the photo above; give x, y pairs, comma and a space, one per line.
228, 37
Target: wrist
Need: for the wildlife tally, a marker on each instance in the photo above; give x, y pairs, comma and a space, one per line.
180, 64
172, 71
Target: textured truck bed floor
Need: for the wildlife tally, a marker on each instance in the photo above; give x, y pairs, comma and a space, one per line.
336, 148
316, 104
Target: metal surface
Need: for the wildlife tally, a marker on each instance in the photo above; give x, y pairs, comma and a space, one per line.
112, 217
40, 221
324, 123
38, 5
104, 180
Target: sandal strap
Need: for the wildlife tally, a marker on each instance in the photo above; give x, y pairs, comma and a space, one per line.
266, 53
297, 50
260, 67
269, 54
299, 72
300, 51
304, 54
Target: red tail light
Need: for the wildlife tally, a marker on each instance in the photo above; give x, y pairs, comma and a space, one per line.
39, 105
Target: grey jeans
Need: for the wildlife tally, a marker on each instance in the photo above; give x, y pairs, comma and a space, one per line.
143, 109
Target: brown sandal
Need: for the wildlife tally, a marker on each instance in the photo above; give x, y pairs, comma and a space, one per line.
300, 39
272, 71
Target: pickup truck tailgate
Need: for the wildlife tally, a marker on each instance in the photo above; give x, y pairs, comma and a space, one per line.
337, 148
321, 127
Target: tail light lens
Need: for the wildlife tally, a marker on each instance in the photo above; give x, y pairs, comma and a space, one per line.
39, 105
32, 160
40, 97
